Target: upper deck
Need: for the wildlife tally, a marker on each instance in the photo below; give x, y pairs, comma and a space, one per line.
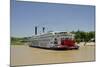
54, 35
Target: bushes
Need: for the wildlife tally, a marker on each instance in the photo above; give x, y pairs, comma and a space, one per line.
82, 36
18, 41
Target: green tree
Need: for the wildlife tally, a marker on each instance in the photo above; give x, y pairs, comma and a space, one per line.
82, 36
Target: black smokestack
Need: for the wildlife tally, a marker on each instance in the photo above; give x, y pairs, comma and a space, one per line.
35, 30
43, 29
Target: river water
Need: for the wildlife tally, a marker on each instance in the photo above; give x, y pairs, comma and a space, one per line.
24, 55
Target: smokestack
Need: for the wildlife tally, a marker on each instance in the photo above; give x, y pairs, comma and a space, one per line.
43, 29
35, 30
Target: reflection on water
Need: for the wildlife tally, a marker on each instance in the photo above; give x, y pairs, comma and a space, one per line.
24, 55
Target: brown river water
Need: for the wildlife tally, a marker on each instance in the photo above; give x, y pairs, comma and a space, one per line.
24, 55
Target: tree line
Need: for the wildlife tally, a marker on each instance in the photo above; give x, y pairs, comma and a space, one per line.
81, 36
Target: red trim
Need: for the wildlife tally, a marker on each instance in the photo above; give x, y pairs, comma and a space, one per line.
68, 42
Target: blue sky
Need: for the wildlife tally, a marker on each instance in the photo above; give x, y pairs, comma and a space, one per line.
55, 17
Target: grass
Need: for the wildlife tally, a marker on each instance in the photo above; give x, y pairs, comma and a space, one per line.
18, 41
